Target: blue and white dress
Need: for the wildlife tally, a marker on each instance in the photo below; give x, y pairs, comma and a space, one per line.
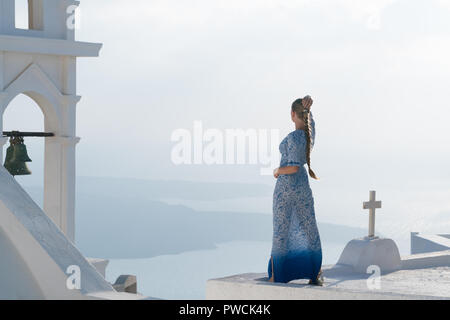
296, 248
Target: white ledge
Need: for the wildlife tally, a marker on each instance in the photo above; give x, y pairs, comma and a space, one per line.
49, 46
64, 140
340, 283
109, 295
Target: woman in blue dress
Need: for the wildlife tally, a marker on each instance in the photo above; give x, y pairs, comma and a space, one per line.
296, 248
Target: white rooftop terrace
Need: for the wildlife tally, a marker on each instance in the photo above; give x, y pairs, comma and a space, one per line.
422, 276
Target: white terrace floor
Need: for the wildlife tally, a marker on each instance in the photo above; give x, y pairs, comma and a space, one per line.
427, 283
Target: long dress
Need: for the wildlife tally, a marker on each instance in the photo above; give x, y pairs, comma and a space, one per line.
296, 247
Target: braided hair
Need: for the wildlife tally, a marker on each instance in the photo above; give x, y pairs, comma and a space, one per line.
305, 114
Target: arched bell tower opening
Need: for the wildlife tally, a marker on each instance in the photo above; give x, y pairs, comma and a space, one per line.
22, 20
59, 150
23, 114
29, 14
40, 62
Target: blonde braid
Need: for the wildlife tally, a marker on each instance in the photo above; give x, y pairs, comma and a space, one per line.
304, 114
308, 130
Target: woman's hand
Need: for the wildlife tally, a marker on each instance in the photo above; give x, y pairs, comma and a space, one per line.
285, 170
307, 102
276, 173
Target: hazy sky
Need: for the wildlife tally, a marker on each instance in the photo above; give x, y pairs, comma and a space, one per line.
378, 71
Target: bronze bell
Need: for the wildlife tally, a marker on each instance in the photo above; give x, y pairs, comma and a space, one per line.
17, 157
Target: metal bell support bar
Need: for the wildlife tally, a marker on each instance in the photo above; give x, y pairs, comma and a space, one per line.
27, 134
16, 154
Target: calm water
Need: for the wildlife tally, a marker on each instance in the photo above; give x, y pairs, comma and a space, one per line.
184, 276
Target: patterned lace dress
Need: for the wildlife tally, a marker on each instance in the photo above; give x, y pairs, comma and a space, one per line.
296, 248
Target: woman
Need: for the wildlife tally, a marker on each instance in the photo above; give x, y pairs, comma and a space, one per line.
296, 248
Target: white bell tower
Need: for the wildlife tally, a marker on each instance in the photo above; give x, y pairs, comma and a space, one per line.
40, 62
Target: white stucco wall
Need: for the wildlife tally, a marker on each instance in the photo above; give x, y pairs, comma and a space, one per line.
16, 280
51, 14
39, 249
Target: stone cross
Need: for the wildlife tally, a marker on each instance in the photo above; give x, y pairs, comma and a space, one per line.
372, 205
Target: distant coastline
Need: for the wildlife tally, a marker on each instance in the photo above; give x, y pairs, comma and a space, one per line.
125, 218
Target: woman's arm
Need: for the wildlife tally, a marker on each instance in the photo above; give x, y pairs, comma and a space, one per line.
285, 170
